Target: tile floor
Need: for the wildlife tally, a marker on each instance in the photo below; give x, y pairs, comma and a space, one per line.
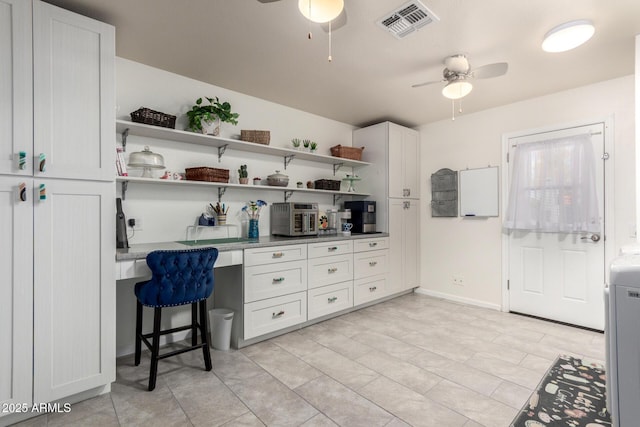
414, 360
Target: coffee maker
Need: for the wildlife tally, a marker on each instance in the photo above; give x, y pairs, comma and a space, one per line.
363, 215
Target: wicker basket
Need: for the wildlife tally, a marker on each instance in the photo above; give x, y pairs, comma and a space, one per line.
352, 153
207, 174
257, 136
155, 118
327, 184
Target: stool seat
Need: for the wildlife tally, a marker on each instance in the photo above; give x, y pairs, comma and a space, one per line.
178, 277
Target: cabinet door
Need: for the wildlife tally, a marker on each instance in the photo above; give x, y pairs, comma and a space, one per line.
74, 288
396, 243
411, 244
16, 289
411, 163
15, 86
73, 79
396, 174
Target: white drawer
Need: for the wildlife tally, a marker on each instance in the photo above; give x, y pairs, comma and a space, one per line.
262, 317
329, 299
273, 280
330, 248
329, 270
367, 264
369, 289
271, 254
373, 244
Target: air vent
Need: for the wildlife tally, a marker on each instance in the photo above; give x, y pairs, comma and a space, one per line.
407, 19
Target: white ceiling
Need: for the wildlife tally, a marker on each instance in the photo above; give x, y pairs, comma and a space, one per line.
262, 49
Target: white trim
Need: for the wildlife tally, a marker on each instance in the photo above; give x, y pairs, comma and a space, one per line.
609, 194
455, 298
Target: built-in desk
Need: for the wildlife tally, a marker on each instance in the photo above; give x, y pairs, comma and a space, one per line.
270, 291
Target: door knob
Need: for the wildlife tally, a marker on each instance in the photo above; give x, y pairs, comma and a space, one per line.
594, 238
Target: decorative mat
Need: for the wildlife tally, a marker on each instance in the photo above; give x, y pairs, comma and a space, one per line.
572, 393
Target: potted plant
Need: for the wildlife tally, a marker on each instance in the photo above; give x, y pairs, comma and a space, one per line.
243, 174
313, 146
299, 184
306, 143
296, 143
257, 180
201, 116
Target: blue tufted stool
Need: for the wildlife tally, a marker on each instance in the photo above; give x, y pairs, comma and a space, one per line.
178, 278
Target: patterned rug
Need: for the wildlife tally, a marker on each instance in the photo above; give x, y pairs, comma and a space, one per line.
572, 393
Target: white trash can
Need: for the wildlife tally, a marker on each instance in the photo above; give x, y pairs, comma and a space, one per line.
221, 320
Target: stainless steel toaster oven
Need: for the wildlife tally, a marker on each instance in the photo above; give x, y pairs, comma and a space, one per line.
294, 219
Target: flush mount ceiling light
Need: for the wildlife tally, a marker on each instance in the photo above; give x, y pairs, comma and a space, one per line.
568, 36
457, 89
320, 11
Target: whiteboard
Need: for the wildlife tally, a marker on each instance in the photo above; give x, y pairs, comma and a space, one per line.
479, 192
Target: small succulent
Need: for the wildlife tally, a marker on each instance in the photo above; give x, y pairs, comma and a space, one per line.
306, 142
313, 146
242, 172
296, 142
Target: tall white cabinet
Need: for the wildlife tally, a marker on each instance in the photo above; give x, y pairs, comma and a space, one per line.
393, 180
57, 98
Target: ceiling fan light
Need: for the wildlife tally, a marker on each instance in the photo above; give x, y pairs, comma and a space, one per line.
321, 11
457, 89
568, 36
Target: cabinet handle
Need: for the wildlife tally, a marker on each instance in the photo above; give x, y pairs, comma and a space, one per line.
331, 300
332, 270
278, 254
408, 192
373, 263
372, 289
278, 314
373, 244
43, 192
22, 189
332, 248
42, 162
278, 279
22, 160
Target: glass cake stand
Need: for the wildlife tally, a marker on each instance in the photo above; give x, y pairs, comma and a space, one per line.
351, 179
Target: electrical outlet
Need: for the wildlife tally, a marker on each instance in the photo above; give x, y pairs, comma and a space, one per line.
135, 224
457, 280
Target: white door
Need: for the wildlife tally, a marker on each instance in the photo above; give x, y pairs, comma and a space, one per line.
15, 86
396, 242
411, 243
560, 276
74, 112
16, 293
74, 287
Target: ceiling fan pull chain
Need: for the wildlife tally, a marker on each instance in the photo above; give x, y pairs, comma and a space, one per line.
330, 58
460, 106
453, 110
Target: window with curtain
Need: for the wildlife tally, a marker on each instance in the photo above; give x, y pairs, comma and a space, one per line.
553, 187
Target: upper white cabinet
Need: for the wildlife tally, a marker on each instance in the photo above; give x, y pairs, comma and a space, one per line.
57, 96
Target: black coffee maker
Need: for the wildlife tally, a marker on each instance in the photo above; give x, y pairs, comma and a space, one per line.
363, 215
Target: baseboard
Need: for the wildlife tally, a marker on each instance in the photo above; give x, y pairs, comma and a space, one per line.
455, 298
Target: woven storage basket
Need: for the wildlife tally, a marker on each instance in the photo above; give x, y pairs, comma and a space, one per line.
327, 184
155, 118
207, 174
257, 136
352, 153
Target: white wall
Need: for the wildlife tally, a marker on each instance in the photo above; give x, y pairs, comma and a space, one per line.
472, 249
166, 211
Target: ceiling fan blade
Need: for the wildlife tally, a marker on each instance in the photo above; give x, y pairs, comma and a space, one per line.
336, 24
267, 1
428, 83
490, 70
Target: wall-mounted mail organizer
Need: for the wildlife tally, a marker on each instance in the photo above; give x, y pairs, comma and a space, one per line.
479, 192
444, 193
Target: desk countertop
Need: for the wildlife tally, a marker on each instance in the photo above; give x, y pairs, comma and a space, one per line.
140, 251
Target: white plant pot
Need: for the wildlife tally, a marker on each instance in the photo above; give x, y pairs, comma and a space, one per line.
210, 128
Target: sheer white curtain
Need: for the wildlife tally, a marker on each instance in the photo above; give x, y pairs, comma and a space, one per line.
553, 187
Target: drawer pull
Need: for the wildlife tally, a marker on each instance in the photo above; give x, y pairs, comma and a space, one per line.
332, 300
278, 314
372, 289
278, 279
373, 263
373, 244
332, 248
278, 255
332, 270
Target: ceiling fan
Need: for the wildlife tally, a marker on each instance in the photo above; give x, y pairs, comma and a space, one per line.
458, 75
330, 14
